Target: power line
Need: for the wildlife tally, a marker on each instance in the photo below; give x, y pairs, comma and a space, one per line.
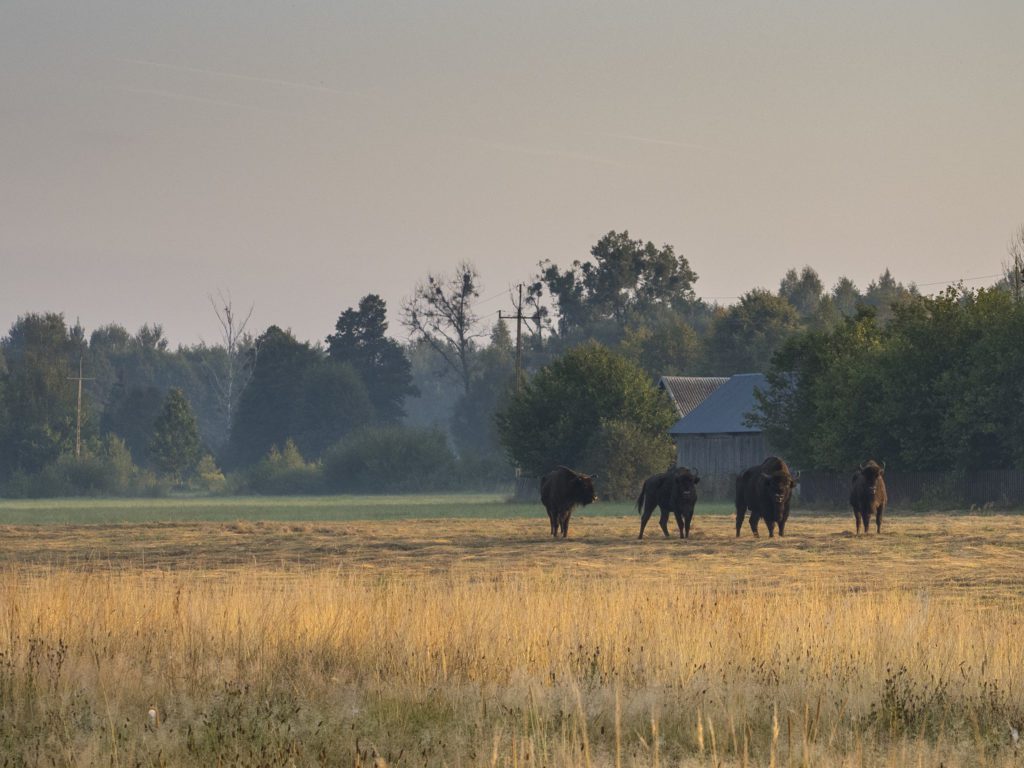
958, 280
492, 298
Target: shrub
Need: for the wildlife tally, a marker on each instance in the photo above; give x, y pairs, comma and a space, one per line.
209, 477
626, 455
558, 416
104, 469
285, 472
390, 459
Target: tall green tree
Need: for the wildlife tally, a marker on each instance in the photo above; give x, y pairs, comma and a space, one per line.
804, 290
665, 346
940, 387
886, 293
566, 412
295, 392
39, 399
360, 340
174, 447
845, 297
625, 279
826, 391
744, 337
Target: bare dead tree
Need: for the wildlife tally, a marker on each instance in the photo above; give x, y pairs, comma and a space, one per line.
231, 380
1014, 268
440, 312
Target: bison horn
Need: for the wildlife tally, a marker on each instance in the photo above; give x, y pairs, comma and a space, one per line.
862, 465
766, 476
883, 466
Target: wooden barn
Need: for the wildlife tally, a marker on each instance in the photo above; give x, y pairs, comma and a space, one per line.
713, 437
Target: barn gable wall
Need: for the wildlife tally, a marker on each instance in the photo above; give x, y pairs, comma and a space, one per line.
720, 458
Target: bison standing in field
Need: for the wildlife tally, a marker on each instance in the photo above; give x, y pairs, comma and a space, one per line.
867, 494
766, 490
673, 491
561, 490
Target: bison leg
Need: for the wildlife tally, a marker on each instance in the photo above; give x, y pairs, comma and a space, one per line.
679, 522
878, 519
564, 523
644, 518
687, 518
856, 519
740, 512
553, 519
754, 520
782, 522
771, 528
663, 521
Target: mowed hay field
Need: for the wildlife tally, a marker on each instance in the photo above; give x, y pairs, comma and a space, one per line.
480, 641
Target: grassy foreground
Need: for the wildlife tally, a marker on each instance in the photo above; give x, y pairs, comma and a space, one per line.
469, 642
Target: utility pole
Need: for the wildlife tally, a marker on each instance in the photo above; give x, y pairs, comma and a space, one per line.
1014, 270
78, 421
519, 317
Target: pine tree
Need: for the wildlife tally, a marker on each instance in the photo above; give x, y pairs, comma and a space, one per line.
360, 340
174, 447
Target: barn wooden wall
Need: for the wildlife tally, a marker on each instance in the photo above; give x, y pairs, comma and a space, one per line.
719, 458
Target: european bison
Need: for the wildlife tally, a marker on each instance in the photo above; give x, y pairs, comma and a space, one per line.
867, 494
561, 489
673, 491
766, 491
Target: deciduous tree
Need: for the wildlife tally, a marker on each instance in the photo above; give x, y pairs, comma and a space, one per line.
557, 418
440, 312
625, 279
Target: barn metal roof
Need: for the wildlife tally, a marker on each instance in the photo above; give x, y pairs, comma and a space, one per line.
725, 410
687, 392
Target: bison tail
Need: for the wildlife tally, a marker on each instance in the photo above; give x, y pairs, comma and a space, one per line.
640, 502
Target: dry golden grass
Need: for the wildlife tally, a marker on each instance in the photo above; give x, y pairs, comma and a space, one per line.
483, 642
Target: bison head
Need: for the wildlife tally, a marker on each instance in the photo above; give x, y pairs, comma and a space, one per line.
778, 486
583, 489
870, 470
684, 485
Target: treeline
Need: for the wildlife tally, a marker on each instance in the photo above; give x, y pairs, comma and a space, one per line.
938, 387
359, 412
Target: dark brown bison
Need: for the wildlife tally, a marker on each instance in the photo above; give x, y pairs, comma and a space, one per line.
766, 490
561, 489
867, 494
674, 491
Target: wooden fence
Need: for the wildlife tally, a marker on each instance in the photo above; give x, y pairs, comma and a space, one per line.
995, 488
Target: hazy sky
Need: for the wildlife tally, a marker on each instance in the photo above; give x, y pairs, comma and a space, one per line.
303, 154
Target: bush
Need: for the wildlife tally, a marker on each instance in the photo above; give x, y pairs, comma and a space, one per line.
390, 459
105, 469
626, 456
209, 477
285, 472
558, 417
